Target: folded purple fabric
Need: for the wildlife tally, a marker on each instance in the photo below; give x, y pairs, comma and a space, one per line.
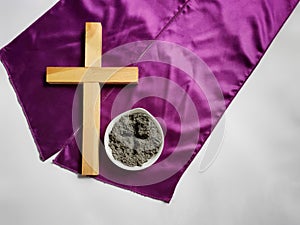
193, 55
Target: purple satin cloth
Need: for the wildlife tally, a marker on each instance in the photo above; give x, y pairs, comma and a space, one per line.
199, 55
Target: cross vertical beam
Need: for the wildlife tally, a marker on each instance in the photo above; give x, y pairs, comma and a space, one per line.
91, 102
91, 75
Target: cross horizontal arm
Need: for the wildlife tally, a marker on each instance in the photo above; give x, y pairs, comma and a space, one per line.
107, 75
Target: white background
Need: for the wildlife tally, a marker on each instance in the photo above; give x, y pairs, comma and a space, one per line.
254, 180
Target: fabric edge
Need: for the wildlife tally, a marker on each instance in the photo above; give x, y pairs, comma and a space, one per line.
31, 24
250, 71
165, 200
6, 66
186, 166
5, 63
2, 59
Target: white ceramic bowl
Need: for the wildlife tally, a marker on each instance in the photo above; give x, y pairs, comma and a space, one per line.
109, 151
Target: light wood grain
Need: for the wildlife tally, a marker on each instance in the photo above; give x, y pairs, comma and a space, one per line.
91, 102
108, 75
91, 76
91, 129
93, 44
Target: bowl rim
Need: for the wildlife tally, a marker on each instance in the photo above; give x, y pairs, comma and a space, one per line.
109, 151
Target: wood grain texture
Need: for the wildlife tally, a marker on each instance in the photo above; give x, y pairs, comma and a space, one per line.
91, 76
91, 129
91, 102
108, 75
93, 44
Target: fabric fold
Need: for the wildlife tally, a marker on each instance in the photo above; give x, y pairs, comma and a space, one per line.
193, 57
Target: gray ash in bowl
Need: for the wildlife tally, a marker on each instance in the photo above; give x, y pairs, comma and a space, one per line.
134, 139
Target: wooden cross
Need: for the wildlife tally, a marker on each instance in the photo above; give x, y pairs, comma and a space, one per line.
91, 75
